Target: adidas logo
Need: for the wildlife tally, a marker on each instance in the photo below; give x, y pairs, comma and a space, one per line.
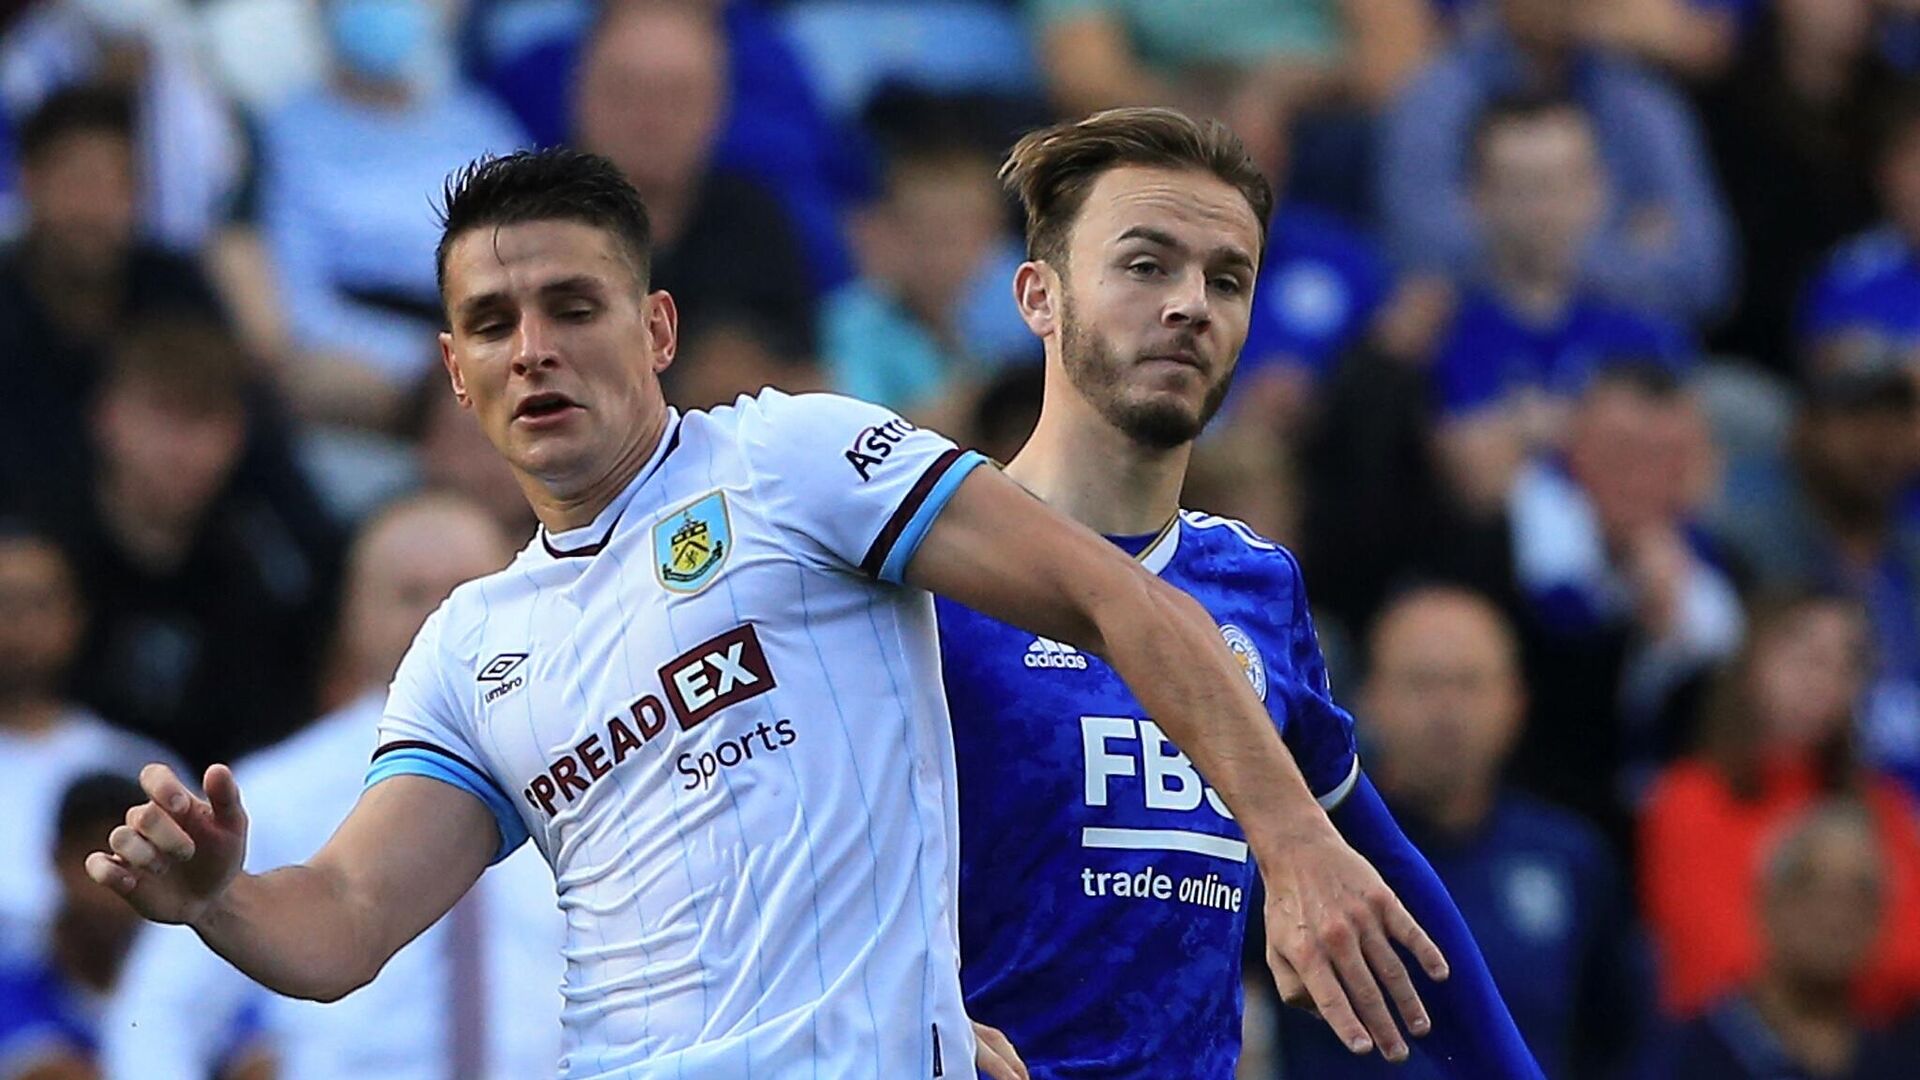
1048, 653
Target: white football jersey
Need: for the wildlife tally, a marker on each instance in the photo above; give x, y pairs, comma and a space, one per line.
719, 716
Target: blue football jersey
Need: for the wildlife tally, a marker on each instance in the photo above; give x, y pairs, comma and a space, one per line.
1104, 888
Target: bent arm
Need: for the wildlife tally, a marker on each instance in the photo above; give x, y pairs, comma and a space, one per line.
1474, 1036
1000, 551
320, 930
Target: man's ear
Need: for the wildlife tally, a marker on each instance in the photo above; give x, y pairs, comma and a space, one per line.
1037, 292
663, 328
453, 371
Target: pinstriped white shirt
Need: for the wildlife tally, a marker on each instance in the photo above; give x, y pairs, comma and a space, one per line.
720, 719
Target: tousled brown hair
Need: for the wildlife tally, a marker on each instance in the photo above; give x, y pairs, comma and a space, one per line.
1051, 170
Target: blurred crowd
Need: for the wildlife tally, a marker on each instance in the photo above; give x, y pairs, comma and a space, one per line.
1584, 377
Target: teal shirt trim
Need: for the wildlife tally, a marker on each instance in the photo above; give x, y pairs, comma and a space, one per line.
916, 531
416, 762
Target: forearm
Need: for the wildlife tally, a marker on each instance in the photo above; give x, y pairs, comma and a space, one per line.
1473, 1036
1170, 653
296, 931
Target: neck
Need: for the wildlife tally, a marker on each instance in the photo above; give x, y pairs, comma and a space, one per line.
560, 513
1461, 811
1083, 466
81, 304
375, 93
86, 954
1813, 1020
29, 714
1815, 75
668, 207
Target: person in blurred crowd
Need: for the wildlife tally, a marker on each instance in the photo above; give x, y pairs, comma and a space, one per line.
1792, 128
475, 996
1821, 892
1530, 332
1665, 243
346, 168
1441, 707
46, 740
1777, 738
1862, 309
900, 335
50, 1005
208, 575
1695, 39
651, 97
1836, 524
1626, 603
191, 153
76, 273
451, 453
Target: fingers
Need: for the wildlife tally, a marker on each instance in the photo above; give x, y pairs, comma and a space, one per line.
126, 842
161, 830
995, 1056
165, 789
1330, 998
223, 793
1393, 975
1402, 927
1363, 991
106, 870
1293, 990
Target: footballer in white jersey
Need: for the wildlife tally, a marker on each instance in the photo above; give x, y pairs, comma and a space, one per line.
710, 692
730, 744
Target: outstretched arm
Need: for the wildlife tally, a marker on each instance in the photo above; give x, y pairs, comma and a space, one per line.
1474, 1037
1003, 552
320, 930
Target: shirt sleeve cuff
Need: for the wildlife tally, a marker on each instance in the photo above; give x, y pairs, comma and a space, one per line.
420, 759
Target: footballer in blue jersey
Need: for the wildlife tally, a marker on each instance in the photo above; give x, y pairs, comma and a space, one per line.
1102, 927
1104, 888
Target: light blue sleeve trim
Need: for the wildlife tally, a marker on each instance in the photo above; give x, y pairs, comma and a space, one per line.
415, 762
895, 568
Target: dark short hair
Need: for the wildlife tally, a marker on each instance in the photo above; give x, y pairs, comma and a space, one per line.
556, 184
92, 799
190, 359
1051, 170
1646, 377
1515, 108
86, 108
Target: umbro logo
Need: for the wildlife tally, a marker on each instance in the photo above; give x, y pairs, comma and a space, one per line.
501, 666
1048, 653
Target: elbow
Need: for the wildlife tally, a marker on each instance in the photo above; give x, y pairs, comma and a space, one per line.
326, 992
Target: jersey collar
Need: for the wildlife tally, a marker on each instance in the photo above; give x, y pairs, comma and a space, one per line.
587, 540
1160, 552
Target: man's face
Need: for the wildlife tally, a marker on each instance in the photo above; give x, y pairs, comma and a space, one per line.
1822, 919
1635, 456
1156, 298
81, 194
171, 461
40, 618
1539, 191
1861, 458
405, 567
555, 348
938, 223
1808, 670
652, 93
1443, 698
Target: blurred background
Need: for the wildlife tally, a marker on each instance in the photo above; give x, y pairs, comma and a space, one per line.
1584, 378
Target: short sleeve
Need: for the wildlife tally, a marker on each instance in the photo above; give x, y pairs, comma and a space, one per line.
422, 734
857, 484
1317, 731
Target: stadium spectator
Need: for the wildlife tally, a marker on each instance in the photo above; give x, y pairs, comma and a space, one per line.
1626, 605
451, 452
1863, 307
1695, 39
207, 569
45, 739
476, 996
1665, 243
1777, 739
1792, 132
651, 96
1833, 522
349, 171
191, 153
1441, 707
1820, 894
76, 273
906, 334
1530, 331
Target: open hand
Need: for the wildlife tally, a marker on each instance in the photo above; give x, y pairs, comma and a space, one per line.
994, 1055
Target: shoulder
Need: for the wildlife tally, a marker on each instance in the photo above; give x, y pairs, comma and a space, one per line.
1865, 260
1544, 826
1236, 550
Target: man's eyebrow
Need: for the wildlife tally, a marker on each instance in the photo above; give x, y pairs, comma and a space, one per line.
474, 304
577, 284
1229, 254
